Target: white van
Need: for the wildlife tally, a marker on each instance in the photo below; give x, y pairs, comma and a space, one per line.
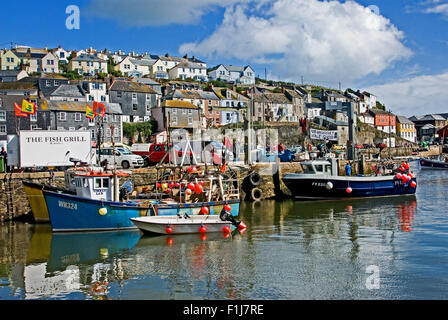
123, 157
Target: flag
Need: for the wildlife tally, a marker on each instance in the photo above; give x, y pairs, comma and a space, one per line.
89, 112
28, 107
99, 109
18, 111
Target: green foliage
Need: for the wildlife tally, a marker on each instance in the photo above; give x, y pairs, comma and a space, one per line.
379, 105
142, 129
72, 75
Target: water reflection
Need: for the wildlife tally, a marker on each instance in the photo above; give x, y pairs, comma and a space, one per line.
290, 250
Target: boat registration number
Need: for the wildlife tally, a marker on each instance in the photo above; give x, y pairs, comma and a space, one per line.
318, 184
68, 205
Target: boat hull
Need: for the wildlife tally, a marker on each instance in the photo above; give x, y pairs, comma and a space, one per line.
180, 225
309, 188
433, 164
72, 213
36, 199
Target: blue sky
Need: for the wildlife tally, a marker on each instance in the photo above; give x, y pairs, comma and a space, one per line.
397, 50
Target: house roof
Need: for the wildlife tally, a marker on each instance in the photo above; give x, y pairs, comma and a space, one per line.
53, 76
130, 86
403, 119
278, 98
428, 126
18, 85
75, 106
178, 104
10, 73
69, 90
88, 57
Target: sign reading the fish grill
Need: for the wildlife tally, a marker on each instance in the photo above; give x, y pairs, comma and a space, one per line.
54, 148
324, 135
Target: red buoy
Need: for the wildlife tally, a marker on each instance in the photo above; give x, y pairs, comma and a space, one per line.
226, 229
413, 184
198, 188
167, 191
191, 186
227, 207
202, 229
242, 225
349, 190
398, 175
205, 210
158, 185
177, 185
188, 191
169, 230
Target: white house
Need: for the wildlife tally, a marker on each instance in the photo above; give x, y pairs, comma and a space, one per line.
187, 69
234, 74
62, 54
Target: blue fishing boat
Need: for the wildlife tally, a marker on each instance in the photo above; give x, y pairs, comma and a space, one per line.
100, 205
320, 180
427, 163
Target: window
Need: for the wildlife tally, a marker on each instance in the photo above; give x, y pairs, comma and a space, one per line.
174, 111
3, 130
108, 132
48, 83
33, 117
78, 116
190, 120
116, 132
62, 116
148, 108
56, 83
2, 115
91, 122
174, 121
103, 98
118, 94
134, 96
101, 183
134, 107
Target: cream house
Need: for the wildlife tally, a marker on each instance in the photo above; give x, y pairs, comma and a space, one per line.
8, 60
50, 63
87, 64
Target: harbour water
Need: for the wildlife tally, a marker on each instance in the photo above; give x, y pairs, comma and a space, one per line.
383, 248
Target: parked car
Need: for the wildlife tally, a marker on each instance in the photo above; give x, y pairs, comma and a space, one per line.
381, 145
123, 158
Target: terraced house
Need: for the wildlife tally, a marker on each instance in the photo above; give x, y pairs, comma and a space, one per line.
207, 102
406, 129
87, 64
136, 99
233, 74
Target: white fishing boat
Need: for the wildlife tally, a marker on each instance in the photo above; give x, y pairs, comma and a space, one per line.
185, 224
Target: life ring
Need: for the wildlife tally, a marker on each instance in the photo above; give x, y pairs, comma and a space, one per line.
254, 179
256, 194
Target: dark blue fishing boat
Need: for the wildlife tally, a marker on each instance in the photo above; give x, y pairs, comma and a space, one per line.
320, 180
426, 163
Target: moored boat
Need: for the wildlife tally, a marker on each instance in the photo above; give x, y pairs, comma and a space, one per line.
100, 205
182, 225
320, 180
427, 163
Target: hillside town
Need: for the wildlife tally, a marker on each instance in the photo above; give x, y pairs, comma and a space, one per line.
143, 88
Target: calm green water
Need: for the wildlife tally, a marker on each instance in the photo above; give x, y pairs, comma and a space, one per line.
291, 250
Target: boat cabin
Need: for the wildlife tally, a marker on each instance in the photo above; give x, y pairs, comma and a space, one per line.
97, 185
326, 167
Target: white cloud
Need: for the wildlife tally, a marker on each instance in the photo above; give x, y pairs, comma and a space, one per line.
156, 12
319, 39
441, 8
422, 94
